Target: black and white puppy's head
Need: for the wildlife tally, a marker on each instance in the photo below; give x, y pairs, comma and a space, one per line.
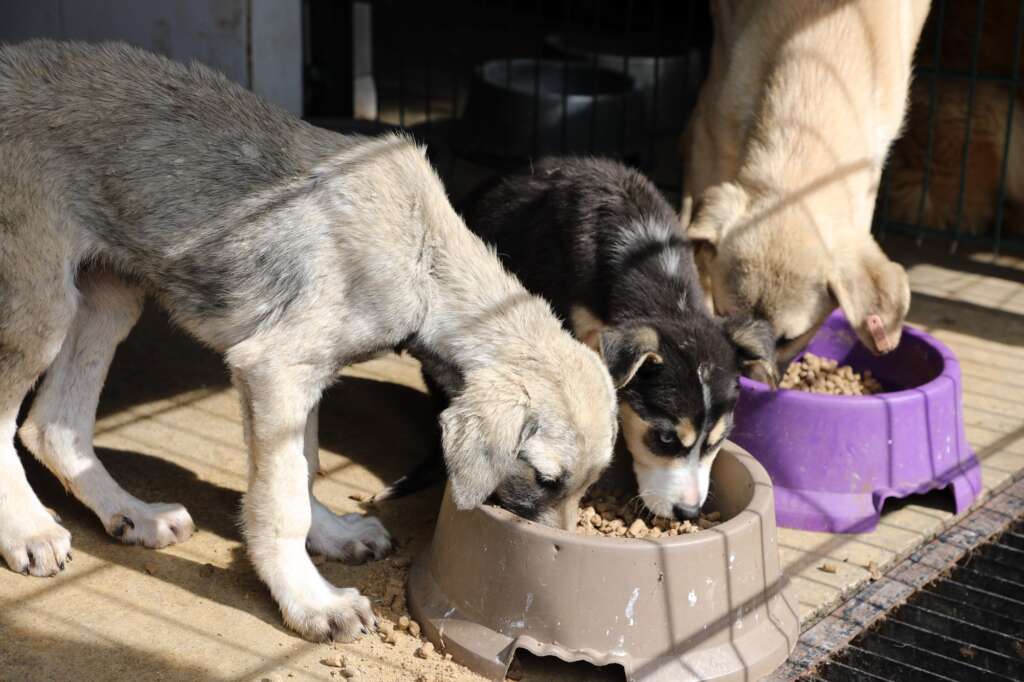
678, 382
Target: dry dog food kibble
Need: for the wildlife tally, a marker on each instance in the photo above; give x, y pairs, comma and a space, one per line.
611, 514
823, 375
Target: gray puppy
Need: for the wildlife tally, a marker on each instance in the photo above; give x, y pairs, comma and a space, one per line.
292, 250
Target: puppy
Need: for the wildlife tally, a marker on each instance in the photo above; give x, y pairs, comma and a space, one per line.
599, 242
783, 157
292, 250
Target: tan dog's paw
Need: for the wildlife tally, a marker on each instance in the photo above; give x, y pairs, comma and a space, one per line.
343, 615
151, 525
351, 539
33, 543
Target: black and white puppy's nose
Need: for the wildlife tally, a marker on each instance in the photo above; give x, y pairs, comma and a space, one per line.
686, 512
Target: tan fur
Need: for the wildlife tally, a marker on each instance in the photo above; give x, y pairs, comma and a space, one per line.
633, 430
783, 158
718, 430
687, 434
586, 327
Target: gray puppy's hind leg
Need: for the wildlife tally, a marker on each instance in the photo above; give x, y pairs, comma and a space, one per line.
349, 538
59, 428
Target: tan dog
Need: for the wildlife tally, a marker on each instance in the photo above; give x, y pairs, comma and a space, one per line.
783, 158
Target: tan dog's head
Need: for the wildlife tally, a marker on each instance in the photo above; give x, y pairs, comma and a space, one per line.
532, 433
772, 259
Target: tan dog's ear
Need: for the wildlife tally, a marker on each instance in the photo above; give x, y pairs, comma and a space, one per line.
625, 350
482, 433
754, 340
716, 212
874, 294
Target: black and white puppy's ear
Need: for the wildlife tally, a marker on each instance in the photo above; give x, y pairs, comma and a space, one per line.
754, 340
626, 349
482, 435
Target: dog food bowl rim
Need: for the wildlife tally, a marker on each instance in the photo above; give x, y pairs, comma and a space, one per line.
762, 497
912, 393
480, 70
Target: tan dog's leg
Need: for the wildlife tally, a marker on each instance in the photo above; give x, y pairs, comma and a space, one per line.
59, 429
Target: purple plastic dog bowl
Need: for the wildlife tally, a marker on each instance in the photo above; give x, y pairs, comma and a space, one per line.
834, 460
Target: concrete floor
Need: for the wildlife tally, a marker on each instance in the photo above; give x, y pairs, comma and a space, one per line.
169, 430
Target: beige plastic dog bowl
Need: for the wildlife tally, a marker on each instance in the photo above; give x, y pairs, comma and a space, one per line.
713, 605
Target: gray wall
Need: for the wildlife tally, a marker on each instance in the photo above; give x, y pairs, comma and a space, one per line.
216, 32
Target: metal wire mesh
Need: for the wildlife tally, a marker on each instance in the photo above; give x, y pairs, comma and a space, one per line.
967, 625
956, 172
498, 83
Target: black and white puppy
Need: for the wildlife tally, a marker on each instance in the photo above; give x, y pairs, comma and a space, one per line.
600, 242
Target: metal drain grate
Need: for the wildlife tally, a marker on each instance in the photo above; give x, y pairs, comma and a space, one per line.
968, 625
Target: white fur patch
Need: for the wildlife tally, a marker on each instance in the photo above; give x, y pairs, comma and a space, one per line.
643, 233
669, 259
666, 482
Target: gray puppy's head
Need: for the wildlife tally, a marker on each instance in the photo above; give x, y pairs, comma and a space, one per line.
532, 433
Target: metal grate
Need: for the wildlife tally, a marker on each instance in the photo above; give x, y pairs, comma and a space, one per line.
967, 625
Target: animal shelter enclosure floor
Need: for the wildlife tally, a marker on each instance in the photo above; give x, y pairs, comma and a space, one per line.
169, 430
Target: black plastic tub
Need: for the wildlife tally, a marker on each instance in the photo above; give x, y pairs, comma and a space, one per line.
667, 72
526, 108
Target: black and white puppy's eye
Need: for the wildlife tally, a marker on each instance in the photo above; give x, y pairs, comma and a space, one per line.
666, 437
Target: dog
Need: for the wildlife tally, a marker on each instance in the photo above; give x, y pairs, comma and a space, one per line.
292, 250
599, 242
782, 160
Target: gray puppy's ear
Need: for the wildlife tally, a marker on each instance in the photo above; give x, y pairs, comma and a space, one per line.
626, 350
481, 441
754, 340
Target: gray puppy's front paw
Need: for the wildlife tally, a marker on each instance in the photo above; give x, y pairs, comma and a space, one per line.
33, 543
342, 615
